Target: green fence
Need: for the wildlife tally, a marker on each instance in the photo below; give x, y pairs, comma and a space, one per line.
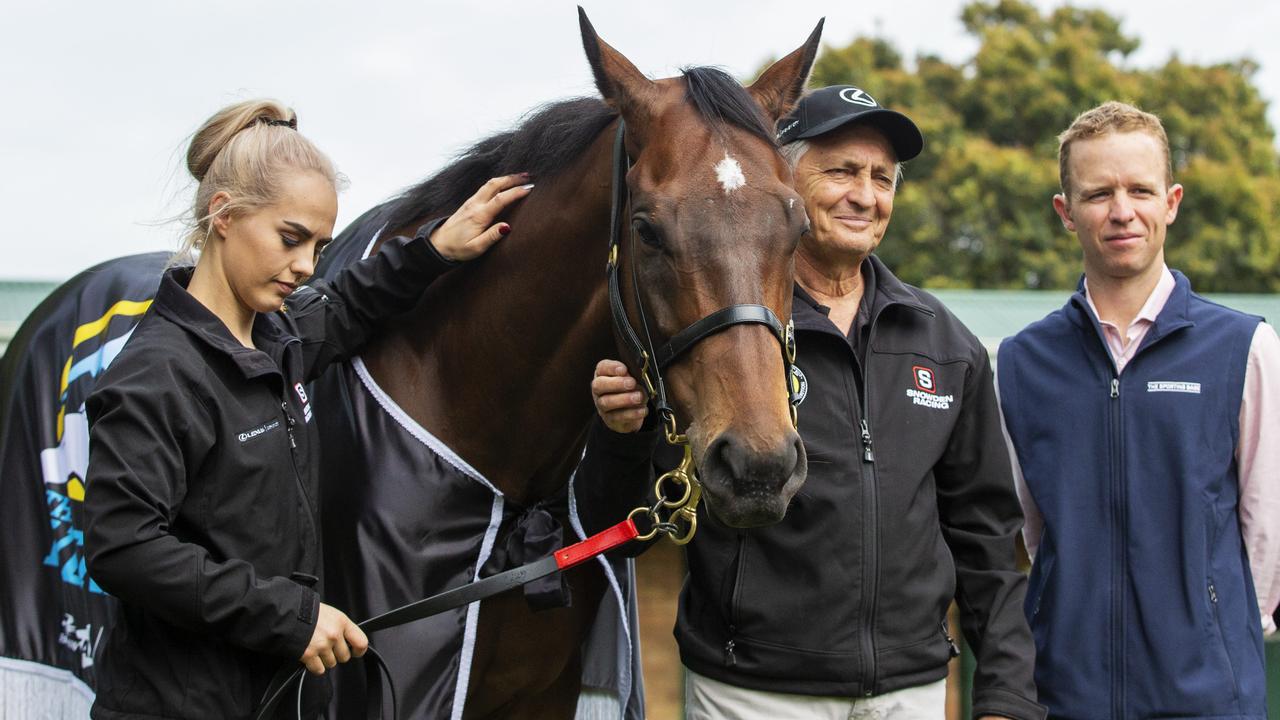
1273, 678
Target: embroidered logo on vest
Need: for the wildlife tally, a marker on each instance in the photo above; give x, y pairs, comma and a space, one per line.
1173, 386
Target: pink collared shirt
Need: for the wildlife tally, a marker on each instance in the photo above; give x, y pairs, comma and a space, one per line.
1257, 453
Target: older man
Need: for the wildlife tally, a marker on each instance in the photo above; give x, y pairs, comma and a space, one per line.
839, 610
1147, 424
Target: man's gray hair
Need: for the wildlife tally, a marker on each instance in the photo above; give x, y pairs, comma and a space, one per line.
794, 150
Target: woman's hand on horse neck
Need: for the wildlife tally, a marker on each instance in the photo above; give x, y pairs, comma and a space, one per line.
618, 399
470, 231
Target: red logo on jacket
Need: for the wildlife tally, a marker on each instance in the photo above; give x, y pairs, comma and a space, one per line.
924, 379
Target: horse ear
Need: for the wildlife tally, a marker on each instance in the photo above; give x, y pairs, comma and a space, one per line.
622, 85
778, 88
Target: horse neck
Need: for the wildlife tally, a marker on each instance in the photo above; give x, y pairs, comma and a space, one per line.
496, 361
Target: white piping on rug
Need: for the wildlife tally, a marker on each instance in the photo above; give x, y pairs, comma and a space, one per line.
369, 248
473, 614
624, 669
423, 436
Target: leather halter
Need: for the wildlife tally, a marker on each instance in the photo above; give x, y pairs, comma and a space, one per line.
652, 362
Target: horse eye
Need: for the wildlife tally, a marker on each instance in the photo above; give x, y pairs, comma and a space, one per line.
646, 232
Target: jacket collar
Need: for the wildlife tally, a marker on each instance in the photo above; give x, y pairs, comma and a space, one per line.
1175, 315
887, 291
173, 302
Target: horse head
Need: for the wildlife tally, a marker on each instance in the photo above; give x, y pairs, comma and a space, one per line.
713, 222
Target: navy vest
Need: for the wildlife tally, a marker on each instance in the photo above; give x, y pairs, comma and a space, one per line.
1141, 600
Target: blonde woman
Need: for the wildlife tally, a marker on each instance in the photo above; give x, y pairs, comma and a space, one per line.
202, 482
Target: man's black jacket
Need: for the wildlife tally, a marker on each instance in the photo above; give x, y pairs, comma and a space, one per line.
848, 595
202, 487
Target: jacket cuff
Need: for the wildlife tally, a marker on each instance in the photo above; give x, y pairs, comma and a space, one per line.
637, 445
305, 626
1004, 703
423, 236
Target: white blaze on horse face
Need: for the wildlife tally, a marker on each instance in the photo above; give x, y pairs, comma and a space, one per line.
729, 173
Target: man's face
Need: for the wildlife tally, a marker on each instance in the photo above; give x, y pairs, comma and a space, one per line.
1118, 204
846, 180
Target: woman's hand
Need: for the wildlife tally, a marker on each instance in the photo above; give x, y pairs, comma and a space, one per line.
621, 405
470, 231
336, 639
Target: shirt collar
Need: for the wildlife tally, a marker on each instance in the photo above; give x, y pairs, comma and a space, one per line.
1151, 308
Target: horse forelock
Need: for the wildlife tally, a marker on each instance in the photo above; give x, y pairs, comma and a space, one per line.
721, 100
547, 142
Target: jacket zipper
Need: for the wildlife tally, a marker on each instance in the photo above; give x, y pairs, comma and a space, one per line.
284, 405
946, 633
871, 550
311, 516
1117, 554
731, 660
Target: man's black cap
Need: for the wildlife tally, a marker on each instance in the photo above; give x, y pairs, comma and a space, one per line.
824, 110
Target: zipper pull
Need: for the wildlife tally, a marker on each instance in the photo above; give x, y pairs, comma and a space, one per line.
867, 453
289, 428
1213, 594
1115, 387
955, 649
729, 659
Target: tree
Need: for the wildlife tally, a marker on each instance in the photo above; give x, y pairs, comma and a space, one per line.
974, 209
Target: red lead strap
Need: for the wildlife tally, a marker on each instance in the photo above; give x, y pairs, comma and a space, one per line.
601, 542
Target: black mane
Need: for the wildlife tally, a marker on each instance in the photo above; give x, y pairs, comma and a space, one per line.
553, 136
543, 145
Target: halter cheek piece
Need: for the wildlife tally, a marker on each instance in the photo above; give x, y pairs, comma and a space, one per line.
652, 362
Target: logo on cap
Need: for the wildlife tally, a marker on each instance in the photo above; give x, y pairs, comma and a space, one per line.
857, 97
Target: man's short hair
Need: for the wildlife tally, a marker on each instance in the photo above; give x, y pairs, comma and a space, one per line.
794, 150
1109, 117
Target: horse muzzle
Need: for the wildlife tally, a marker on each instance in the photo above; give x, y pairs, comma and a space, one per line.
746, 486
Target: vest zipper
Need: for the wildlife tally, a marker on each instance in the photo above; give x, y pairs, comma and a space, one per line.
1119, 524
1222, 639
867, 454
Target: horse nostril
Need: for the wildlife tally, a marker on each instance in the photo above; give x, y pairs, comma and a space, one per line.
794, 454
769, 468
732, 454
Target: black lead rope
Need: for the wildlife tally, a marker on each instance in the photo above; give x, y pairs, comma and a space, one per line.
376, 668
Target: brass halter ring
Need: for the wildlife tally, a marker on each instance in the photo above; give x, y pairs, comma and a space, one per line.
677, 519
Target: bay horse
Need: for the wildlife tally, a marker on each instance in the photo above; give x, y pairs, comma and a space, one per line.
493, 365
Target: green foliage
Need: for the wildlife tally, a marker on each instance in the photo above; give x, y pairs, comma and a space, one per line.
974, 209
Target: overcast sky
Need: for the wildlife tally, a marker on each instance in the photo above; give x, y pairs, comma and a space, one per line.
101, 96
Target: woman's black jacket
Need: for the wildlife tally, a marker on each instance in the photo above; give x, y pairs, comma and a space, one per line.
202, 487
